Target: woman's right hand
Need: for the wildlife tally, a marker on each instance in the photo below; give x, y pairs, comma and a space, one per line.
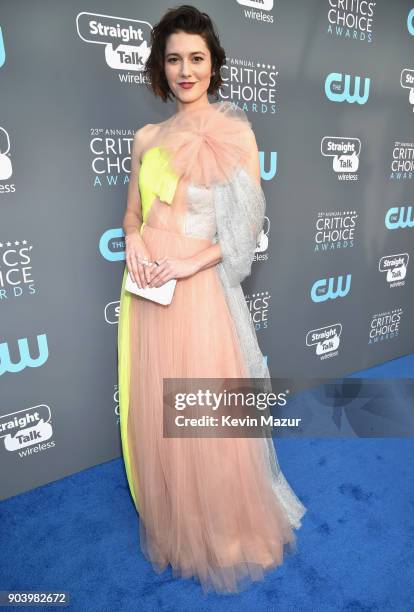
135, 253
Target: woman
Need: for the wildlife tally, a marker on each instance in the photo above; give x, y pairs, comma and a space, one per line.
219, 510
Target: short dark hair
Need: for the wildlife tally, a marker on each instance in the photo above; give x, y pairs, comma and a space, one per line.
188, 19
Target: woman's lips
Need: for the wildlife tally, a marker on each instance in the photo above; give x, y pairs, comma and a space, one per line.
186, 85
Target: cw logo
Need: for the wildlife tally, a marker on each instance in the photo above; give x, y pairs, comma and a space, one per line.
399, 217
26, 361
267, 175
2, 50
323, 289
410, 22
338, 88
112, 244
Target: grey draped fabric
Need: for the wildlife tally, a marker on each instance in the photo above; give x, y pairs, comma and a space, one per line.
240, 208
233, 214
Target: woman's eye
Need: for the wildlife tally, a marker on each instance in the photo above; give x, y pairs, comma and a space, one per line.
173, 59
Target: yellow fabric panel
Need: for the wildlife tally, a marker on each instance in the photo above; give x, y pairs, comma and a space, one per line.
124, 380
156, 178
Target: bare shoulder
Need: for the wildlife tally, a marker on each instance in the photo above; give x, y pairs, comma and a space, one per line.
143, 133
143, 137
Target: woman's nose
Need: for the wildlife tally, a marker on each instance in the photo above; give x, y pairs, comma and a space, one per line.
185, 69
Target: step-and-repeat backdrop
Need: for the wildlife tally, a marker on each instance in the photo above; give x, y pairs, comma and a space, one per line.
329, 88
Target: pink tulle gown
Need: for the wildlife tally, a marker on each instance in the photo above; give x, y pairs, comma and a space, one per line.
217, 509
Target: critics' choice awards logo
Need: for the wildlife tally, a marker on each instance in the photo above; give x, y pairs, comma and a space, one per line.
258, 304
250, 84
27, 428
335, 230
325, 340
407, 82
399, 217
126, 42
385, 325
395, 267
6, 168
15, 359
16, 269
111, 156
347, 88
402, 163
350, 19
345, 156
331, 288
257, 10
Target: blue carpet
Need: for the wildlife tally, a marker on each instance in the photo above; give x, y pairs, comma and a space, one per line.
355, 549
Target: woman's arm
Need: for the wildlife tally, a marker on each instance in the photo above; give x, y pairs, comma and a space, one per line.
133, 217
135, 248
207, 257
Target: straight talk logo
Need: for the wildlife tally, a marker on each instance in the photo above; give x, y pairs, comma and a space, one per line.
325, 340
344, 153
27, 430
258, 10
126, 42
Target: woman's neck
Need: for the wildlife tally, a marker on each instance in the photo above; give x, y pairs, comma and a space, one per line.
187, 107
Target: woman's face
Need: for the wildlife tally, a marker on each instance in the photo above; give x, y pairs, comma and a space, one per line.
187, 60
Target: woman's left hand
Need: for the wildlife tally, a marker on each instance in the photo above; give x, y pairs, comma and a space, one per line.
171, 267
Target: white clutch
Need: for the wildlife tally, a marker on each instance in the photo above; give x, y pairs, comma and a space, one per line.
162, 295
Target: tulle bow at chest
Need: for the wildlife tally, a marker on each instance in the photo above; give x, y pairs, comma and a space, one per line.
206, 145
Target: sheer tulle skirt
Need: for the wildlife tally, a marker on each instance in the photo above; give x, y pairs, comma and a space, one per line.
206, 505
